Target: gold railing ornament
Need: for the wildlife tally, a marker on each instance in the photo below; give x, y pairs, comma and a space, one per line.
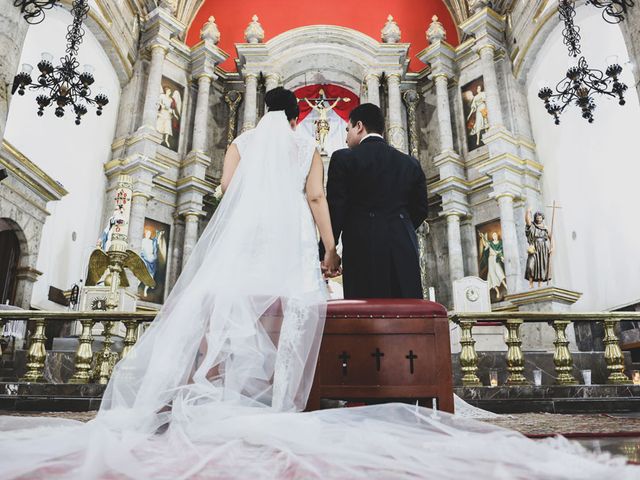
468, 355
84, 354
613, 353
37, 354
131, 336
562, 356
515, 357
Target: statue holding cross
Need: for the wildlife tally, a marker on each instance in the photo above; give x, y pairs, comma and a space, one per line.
322, 105
540, 249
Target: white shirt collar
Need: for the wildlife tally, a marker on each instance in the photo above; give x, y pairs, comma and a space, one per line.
371, 135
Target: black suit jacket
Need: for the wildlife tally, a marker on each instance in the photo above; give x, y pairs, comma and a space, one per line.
377, 197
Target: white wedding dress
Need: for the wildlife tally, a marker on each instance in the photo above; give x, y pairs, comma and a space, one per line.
214, 387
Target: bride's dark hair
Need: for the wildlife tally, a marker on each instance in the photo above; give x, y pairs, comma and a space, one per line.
282, 99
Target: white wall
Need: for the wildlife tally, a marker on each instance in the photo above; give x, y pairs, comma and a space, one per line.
71, 154
592, 171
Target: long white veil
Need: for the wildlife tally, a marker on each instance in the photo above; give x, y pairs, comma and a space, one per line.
211, 389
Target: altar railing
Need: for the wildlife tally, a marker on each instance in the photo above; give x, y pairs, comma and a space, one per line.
96, 367
562, 358
89, 367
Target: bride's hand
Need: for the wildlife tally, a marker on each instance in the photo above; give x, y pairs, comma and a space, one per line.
331, 263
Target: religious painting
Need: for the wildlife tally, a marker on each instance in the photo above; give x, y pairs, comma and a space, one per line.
476, 119
169, 114
154, 250
491, 259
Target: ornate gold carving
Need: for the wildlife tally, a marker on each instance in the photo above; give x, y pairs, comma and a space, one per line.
411, 99
468, 355
232, 99
130, 337
84, 354
613, 354
37, 354
515, 358
562, 356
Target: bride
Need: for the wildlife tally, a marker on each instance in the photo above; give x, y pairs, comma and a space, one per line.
214, 387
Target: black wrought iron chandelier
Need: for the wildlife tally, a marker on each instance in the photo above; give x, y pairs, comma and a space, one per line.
578, 88
614, 11
33, 10
581, 83
570, 32
63, 86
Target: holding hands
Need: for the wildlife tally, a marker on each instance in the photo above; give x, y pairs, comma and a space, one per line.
330, 265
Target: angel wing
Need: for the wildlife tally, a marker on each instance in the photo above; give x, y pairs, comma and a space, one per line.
134, 263
178, 99
98, 263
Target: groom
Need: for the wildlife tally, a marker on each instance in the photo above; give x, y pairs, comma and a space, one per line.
377, 198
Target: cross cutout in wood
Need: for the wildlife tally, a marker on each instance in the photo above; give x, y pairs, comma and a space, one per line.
411, 357
378, 354
344, 356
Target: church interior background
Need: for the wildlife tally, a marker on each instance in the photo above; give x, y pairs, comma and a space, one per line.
458, 82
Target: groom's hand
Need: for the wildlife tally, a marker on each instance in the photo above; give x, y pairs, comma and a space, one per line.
330, 265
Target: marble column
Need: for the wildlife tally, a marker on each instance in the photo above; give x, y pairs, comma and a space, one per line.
136, 222
191, 222
176, 251
444, 113
456, 260
272, 81
373, 88
395, 130
250, 101
487, 57
13, 30
201, 114
509, 242
154, 80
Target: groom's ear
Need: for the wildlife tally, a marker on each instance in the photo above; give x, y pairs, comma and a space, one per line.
360, 127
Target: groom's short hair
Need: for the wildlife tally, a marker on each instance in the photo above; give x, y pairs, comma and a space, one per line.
371, 117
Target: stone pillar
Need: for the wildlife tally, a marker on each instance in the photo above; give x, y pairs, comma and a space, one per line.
136, 222
510, 241
154, 80
272, 81
176, 251
395, 130
13, 30
444, 113
191, 221
487, 56
373, 88
250, 101
201, 114
456, 260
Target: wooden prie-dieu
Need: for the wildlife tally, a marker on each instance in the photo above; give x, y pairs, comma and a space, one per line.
385, 350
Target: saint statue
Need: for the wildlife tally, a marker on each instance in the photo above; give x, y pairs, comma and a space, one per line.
539, 250
322, 123
493, 259
479, 109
